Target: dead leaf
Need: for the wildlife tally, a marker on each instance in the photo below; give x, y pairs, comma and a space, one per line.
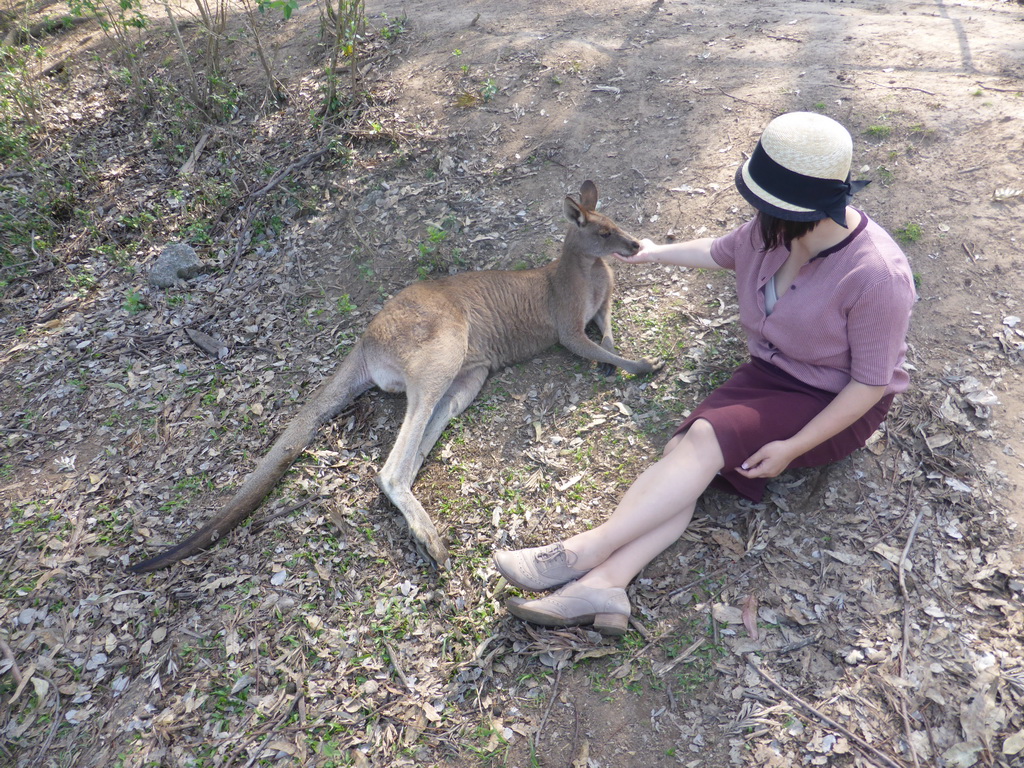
211, 345
571, 482
982, 717
42, 688
749, 615
726, 614
938, 441
892, 554
730, 543
963, 755
583, 757
1014, 744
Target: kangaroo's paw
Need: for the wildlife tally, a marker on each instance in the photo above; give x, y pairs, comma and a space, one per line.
419, 522
656, 366
643, 366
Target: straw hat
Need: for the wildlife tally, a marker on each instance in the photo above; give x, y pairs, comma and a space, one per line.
800, 169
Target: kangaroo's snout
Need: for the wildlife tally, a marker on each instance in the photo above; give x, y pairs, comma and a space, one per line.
630, 247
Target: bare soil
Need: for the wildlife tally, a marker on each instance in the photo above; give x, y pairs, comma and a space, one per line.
868, 614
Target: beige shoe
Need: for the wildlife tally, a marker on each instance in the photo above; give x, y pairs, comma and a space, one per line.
539, 568
574, 604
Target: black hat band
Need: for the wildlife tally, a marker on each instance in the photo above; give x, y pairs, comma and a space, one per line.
830, 196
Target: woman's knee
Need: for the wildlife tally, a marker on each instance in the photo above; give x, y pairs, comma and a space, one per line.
699, 434
672, 443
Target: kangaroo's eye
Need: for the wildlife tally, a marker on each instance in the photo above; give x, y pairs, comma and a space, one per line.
605, 233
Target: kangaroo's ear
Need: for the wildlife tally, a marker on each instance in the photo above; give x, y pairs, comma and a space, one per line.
588, 195
574, 212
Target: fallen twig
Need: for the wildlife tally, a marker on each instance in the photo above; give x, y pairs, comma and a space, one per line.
899, 87
190, 164
268, 729
745, 101
281, 174
54, 311
1000, 90
398, 669
544, 720
906, 632
21, 431
640, 628
15, 669
57, 720
881, 756
903, 591
259, 525
795, 646
704, 578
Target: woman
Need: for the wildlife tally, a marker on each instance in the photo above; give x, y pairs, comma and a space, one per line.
825, 298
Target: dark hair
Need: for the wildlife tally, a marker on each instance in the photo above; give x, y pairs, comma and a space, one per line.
776, 231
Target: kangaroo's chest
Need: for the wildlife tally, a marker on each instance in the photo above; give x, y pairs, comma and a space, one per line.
590, 293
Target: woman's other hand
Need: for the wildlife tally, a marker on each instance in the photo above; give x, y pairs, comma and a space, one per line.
770, 461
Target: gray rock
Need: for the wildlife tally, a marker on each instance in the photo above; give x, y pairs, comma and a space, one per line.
175, 265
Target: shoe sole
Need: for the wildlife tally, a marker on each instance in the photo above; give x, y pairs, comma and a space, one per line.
610, 624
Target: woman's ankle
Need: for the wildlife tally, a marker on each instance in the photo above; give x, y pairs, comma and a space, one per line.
600, 580
583, 552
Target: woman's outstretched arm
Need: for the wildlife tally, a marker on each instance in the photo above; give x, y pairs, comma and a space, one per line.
691, 253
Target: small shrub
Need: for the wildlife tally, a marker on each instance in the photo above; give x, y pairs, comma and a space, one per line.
134, 303
909, 233
489, 89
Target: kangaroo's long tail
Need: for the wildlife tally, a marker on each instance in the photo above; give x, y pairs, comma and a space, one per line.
348, 382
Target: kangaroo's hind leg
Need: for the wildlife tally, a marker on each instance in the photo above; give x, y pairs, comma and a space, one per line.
460, 394
426, 416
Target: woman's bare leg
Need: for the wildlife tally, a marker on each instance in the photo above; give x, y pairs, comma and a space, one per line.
628, 560
653, 513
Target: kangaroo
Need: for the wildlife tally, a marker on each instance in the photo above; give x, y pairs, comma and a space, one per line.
437, 341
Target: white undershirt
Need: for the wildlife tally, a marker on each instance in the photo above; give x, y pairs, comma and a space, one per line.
770, 297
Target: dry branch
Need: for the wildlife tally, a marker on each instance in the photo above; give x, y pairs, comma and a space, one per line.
822, 717
15, 669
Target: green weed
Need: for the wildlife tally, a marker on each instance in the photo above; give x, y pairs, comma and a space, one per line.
392, 28
489, 89
344, 306
909, 233
432, 257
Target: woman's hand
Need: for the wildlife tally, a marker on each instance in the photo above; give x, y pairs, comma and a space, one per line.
770, 460
644, 256
852, 402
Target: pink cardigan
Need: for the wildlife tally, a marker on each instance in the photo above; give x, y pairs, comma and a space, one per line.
845, 315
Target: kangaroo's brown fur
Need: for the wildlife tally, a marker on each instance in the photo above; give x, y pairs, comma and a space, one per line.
437, 341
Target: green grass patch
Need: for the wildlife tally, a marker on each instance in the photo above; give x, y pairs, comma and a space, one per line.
909, 233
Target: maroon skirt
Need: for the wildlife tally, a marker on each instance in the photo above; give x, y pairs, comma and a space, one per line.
761, 403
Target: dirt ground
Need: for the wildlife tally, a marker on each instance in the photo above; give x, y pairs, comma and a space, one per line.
868, 614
